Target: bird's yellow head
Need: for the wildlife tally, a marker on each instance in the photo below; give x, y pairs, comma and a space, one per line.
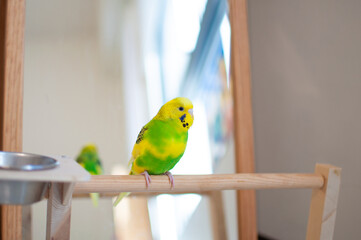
179, 108
89, 148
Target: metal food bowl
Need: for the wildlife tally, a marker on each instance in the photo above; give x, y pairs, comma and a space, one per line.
22, 191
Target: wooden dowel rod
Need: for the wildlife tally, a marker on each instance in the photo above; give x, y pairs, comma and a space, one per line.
199, 183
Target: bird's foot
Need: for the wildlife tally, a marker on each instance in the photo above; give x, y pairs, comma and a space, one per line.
171, 179
148, 180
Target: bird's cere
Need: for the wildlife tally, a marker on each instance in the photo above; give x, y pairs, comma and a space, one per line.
190, 111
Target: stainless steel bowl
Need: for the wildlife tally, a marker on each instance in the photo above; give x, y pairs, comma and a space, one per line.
25, 161
21, 191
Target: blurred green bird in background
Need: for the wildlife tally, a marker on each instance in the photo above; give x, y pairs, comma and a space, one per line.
89, 159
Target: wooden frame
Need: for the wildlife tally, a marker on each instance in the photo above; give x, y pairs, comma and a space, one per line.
12, 22
243, 125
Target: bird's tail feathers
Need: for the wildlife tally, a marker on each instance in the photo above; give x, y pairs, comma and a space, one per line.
95, 198
130, 162
120, 197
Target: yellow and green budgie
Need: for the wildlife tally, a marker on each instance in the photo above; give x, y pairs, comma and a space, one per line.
89, 159
162, 141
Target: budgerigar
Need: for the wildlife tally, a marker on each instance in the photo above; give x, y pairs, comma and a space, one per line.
162, 141
89, 159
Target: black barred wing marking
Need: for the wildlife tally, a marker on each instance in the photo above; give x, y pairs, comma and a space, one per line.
141, 135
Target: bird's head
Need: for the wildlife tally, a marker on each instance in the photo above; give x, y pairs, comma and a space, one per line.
89, 148
180, 109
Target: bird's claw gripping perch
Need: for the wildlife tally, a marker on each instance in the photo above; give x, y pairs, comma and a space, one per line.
148, 180
171, 179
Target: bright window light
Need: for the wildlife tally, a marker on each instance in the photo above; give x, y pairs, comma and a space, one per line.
172, 214
185, 207
154, 82
166, 217
197, 157
187, 22
226, 43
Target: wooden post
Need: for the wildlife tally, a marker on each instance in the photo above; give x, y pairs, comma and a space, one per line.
322, 217
12, 21
59, 211
217, 215
243, 135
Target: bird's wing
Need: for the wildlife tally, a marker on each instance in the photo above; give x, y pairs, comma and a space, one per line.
141, 134
137, 144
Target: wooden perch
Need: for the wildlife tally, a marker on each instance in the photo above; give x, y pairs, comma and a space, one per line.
198, 183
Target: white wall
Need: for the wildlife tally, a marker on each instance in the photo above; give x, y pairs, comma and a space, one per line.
306, 76
72, 96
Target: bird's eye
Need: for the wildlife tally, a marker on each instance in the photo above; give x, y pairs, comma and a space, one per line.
181, 108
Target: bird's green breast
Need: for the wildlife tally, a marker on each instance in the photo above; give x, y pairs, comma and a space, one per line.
90, 161
164, 143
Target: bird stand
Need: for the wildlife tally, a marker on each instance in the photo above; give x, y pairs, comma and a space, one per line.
325, 183
60, 183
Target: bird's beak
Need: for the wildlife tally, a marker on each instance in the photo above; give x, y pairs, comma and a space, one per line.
190, 111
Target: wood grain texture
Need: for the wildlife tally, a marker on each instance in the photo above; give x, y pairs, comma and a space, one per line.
12, 22
11, 222
58, 214
243, 134
217, 215
11, 73
197, 183
67, 192
322, 216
